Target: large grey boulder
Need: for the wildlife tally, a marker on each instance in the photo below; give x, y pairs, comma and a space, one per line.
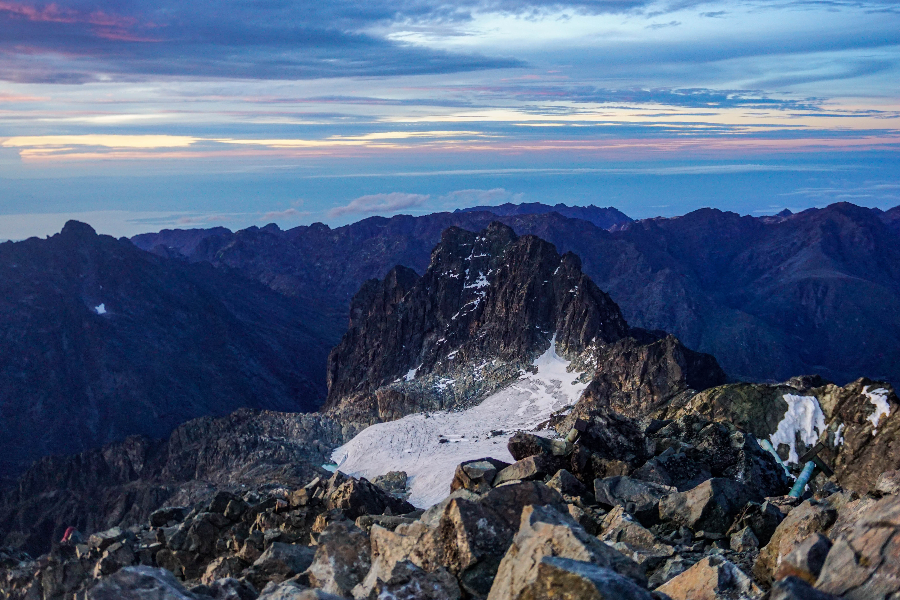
556, 578
711, 506
406, 581
342, 560
545, 532
140, 583
713, 578
639, 498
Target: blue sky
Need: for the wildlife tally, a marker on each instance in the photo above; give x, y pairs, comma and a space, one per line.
137, 115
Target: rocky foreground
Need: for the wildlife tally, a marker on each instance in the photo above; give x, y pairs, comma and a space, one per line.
687, 509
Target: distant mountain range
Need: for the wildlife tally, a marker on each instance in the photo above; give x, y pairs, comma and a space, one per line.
604, 218
100, 340
769, 297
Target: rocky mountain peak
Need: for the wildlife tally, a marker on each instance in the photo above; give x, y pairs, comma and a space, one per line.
77, 230
490, 298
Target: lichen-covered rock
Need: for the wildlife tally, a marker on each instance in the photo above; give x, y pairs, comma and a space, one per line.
140, 583
806, 559
864, 562
711, 506
342, 559
406, 581
545, 532
639, 498
808, 518
713, 578
477, 475
557, 578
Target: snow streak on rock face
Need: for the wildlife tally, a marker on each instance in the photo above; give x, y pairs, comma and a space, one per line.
879, 399
804, 416
414, 443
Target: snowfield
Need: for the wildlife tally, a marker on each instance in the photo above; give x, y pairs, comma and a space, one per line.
413, 443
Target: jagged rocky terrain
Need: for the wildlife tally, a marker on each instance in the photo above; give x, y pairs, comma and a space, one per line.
622, 465
100, 340
770, 297
593, 519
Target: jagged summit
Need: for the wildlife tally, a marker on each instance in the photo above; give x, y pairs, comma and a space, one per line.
489, 298
77, 229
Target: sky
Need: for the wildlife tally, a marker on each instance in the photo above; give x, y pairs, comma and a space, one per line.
136, 116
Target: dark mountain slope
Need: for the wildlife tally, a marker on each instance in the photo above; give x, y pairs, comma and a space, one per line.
100, 340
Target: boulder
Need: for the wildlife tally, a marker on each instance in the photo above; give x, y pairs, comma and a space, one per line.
522, 445
888, 483
805, 560
342, 559
744, 540
711, 506
140, 583
527, 469
168, 516
292, 591
477, 475
406, 581
557, 578
639, 498
357, 497
864, 562
393, 482
713, 578
632, 539
222, 568
545, 532
279, 562
567, 484
229, 588
104, 539
810, 517
762, 519
114, 558
794, 588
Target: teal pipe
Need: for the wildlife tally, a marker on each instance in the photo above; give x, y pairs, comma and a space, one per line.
767, 445
803, 480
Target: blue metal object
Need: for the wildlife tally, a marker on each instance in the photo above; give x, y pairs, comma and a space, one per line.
803, 480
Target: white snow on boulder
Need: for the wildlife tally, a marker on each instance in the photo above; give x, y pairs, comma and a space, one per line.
879, 399
804, 416
413, 443
100, 309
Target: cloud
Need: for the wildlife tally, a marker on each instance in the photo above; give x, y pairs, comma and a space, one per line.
664, 25
290, 213
67, 42
467, 198
380, 203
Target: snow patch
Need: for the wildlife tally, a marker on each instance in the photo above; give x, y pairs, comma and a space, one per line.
839, 436
100, 309
803, 416
879, 399
478, 283
411, 374
412, 443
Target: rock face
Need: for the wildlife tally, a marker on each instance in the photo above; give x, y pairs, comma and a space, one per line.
100, 340
124, 483
488, 296
856, 423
